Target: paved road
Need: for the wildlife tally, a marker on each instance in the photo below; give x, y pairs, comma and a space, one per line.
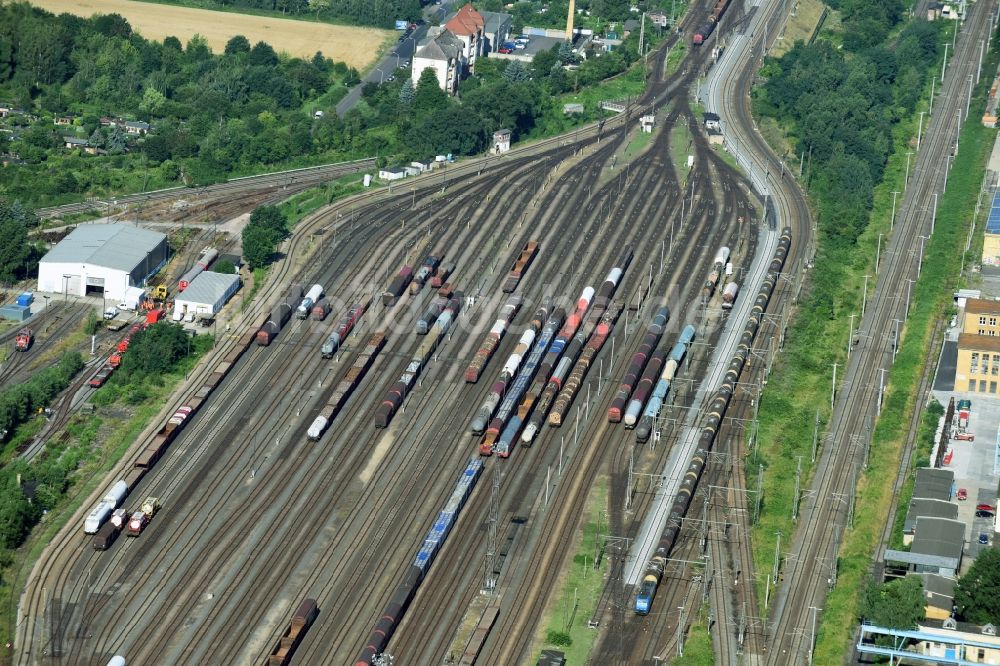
389, 65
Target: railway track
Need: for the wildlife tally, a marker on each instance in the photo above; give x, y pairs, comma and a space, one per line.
811, 562
215, 574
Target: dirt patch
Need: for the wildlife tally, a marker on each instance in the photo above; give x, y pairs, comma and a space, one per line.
355, 46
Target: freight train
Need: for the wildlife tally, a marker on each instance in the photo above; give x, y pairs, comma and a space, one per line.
644, 387
590, 351
718, 266
710, 425
708, 27
435, 538
652, 411
342, 329
492, 340
632, 374
396, 287
346, 386
424, 273
208, 255
312, 297
398, 392
507, 374
520, 385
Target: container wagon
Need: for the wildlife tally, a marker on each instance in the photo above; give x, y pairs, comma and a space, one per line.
442, 274
106, 536
424, 273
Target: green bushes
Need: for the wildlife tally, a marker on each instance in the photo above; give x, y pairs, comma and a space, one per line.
20, 401
268, 226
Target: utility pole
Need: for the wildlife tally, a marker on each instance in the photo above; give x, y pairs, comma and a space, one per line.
850, 335
945, 61
920, 128
812, 638
864, 296
833, 387
878, 252
895, 342
489, 583
892, 221
795, 501
934, 213
906, 177
815, 437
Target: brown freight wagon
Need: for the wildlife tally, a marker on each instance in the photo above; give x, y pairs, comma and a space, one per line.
302, 619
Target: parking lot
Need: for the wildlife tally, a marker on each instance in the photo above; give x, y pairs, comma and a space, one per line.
973, 465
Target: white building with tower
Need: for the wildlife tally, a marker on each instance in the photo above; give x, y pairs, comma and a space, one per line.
102, 260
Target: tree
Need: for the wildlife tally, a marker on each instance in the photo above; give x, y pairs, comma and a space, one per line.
977, 593
15, 252
97, 138
237, 44
516, 72
407, 92
898, 604
262, 55
429, 97
116, 141
267, 227
224, 266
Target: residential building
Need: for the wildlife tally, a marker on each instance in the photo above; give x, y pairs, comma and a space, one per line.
951, 640
469, 27
65, 118
978, 365
496, 29
939, 591
392, 173
72, 142
658, 17
136, 127
443, 53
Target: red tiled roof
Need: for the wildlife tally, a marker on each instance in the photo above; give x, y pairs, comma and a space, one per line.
466, 22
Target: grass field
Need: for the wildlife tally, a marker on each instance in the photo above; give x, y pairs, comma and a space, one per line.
802, 26
357, 47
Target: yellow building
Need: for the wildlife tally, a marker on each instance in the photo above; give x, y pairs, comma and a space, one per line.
978, 367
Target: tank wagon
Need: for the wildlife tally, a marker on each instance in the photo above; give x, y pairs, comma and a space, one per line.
492, 339
309, 300
642, 391
710, 425
280, 314
729, 295
634, 370
346, 386
652, 411
718, 266
398, 392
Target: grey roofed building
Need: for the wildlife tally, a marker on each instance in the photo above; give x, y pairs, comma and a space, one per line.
116, 246
939, 591
931, 508
933, 483
440, 46
496, 28
939, 537
630, 25
211, 289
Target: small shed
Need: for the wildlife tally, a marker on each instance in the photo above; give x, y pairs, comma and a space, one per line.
715, 137
712, 121
501, 141
15, 312
647, 122
392, 173
422, 165
206, 294
572, 108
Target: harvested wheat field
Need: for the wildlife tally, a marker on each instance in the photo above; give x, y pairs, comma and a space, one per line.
355, 46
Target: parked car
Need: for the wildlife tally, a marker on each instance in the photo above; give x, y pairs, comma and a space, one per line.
984, 537
984, 514
984, 507
964, 436
962, 494
111, 313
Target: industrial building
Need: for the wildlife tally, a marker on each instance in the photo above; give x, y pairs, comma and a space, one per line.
102, 260
206, 295
991, 239
978, 366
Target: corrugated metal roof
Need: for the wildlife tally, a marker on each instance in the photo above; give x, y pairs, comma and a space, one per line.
993, 221
208, 287
938, 536
933, 483
116, 246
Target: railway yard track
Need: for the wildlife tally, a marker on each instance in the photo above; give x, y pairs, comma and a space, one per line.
256, 516
809, 567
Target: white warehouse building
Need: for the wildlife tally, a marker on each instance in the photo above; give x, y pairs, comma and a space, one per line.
206, 295
102, 259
